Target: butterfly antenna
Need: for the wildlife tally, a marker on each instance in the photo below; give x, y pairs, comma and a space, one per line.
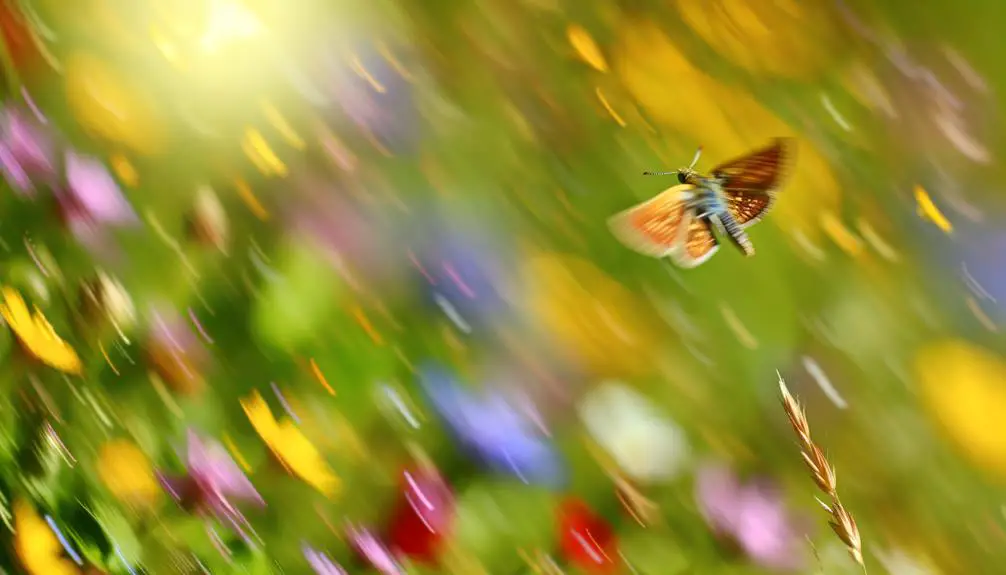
695, 160
660, 173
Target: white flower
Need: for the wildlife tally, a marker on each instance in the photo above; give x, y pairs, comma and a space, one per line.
645, 443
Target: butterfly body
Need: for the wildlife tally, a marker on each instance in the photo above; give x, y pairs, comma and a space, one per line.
683, 221
710, 205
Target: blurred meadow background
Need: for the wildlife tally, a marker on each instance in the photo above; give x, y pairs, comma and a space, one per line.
325, 286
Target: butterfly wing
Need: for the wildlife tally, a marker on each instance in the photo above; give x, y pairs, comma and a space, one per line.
748, 208
654, 227
698, 243
749, 182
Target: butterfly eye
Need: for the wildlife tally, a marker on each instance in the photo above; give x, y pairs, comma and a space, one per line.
683, 176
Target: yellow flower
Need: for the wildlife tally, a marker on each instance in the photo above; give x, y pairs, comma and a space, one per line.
589, 314
36, 546
962, 387
789, 38
127, 472
111, 106
290, 446
36, 335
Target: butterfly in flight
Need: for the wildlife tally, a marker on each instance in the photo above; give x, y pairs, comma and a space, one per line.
682, 222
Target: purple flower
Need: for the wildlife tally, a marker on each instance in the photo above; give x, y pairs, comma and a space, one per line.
374, 551
92, 193
464, 272
213, 483
499, 432
27, 152
752, 516
320, 562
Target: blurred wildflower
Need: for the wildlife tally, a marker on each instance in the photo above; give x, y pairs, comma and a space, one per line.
207, 221
175, 352
19, 42
976, 258
927, 210
27, 152
38, 549
109, 106
646, 445
104, 301
92, 197
213, 483
320, 562
290, 446
422, 517
586, 539
778, 37
464, 274
752, 516
126, 472
586, 48
961, 387
373, 551
590, 317
496, 431
36, 336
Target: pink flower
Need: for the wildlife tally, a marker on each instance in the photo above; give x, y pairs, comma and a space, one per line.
213, 484
752, 516
27, 151
93, 194
320, 562
374, 551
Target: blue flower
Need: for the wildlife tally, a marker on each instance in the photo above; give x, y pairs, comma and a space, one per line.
463, 273
495, 430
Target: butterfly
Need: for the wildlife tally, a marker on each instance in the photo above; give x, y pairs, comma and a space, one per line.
680, 221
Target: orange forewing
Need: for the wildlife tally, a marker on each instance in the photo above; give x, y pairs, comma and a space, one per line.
759, 171
653, 227
699, 243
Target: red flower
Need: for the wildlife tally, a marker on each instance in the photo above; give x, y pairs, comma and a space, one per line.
422, 517
586, 539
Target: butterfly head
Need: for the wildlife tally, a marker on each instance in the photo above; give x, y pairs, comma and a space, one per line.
689, 175
686, 175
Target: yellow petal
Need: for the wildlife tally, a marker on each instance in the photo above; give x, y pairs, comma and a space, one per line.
126, 471
929, 211
14, 310
586, 48
261, 417
36, 546
305, 461
37, 335
290, 446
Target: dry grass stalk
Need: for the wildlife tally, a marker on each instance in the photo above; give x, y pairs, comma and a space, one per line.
823, 474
